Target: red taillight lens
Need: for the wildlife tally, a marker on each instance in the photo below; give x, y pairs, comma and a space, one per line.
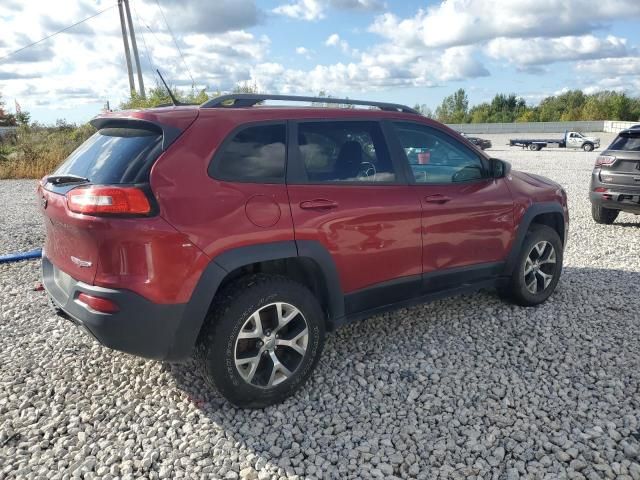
605, 160
98, 304
108, 200
600, 189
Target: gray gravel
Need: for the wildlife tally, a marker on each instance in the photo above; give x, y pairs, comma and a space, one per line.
468, 386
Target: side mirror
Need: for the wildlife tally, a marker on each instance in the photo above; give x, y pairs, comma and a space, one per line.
499, 168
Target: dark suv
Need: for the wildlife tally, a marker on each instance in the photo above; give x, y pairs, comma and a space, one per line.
241, 232
615, 182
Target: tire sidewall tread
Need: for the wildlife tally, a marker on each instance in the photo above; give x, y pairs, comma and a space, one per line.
216, 345
519, 292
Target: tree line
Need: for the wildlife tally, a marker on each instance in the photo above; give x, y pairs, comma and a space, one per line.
506, 108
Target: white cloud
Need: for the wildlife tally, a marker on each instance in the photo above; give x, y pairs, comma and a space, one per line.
310, 10
611, 66
86, 66
313, 10
334, 40
542, 51
364, 5
383, 67
464, 22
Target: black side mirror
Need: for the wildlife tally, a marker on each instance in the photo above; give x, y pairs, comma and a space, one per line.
499, 168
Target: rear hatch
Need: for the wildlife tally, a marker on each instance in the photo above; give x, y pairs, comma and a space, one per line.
625, 170
120, 154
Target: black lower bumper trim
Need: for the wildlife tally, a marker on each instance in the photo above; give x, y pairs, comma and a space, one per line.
140, 327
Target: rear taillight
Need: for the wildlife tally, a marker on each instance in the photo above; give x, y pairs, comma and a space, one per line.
99, 304
605, 160
97, 200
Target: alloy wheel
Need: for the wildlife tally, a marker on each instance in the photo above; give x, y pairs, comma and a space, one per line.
539, 267
271, 345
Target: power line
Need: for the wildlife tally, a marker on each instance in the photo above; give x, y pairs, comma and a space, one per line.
176, 43
56, 33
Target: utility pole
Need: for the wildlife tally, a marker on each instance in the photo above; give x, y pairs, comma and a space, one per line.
134, 46
132, 86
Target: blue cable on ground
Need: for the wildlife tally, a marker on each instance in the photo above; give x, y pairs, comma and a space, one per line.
16, 257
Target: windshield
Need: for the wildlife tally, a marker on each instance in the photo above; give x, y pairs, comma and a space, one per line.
114, 155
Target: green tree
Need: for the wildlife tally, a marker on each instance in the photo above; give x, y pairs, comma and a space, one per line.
6, 119
23, 118
424, 110
158, 95
454, 108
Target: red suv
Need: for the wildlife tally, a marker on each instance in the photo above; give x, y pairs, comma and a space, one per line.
241, 232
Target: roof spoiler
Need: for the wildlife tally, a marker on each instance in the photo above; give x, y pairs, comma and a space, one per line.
169, 134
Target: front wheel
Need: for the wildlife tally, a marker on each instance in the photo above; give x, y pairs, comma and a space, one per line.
587, 147
538, 267
262, 340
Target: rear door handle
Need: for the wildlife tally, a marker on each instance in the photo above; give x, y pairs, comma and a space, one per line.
318, 204
437, 198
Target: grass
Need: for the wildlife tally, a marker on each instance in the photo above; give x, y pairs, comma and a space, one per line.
35, 151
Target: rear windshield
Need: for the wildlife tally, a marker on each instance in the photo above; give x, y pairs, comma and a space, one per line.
115, 155
629, 141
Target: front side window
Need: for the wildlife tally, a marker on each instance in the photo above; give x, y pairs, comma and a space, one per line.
344, 152
436, 158
254, 154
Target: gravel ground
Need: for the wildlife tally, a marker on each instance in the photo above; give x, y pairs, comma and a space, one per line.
464, 387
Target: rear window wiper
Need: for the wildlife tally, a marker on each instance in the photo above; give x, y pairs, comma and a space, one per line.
66, 178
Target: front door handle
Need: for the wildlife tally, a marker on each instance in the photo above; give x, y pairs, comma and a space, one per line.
437, 198
318, 204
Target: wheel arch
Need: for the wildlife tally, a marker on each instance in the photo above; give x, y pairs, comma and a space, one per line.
306, 261
546, 213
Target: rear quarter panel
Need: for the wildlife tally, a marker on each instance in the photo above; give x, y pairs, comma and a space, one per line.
210, 212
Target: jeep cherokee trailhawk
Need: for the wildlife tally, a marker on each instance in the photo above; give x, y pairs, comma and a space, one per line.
240, 232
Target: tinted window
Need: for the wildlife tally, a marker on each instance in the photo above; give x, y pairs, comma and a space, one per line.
344, 152
115, 155
437, 158
254, 154
629, 141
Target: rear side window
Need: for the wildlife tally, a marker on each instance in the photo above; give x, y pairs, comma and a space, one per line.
254, 154
628, 141
115, 155
350, 151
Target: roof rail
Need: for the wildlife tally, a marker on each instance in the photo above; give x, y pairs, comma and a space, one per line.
236, 100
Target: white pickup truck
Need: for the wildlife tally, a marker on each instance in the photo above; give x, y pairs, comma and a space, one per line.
570, 140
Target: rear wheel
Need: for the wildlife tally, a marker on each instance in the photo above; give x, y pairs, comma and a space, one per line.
604, 216
587, 147
533, 147
262, 340
538, 267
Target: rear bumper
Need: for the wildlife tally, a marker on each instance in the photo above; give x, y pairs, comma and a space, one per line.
625, 198
140, 327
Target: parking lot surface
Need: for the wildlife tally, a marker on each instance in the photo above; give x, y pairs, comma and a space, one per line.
465, 387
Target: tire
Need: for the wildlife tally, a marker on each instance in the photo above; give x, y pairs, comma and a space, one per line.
533, 147
260, 383
519, 288
587, 147
603, 216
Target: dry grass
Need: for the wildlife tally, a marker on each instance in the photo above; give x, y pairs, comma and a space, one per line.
35, 151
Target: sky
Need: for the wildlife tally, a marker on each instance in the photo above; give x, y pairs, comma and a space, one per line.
411, 52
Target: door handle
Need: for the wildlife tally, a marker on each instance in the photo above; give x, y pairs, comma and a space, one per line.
437, 198
318, 204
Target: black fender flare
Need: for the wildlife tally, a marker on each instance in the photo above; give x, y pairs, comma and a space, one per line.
216, 271
532, 211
